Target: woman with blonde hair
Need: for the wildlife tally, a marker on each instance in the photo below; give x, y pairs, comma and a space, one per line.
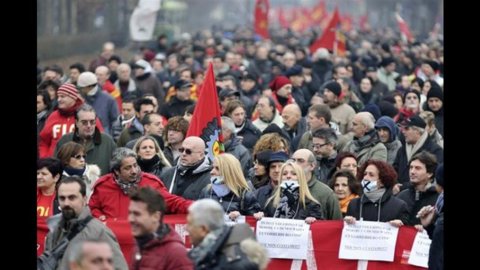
73, 158
229, 187
292, 198
150, 156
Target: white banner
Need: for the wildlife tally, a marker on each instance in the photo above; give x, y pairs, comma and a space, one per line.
368, 240
420, 250
284, 238
142, 21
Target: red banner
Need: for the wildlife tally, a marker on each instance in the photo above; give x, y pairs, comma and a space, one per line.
261, 18
325, 237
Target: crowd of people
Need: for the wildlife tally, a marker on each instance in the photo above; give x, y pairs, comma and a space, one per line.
308, 135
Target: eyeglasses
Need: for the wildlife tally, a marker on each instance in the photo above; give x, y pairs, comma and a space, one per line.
79, 156
319, 145
186, 150
86, 122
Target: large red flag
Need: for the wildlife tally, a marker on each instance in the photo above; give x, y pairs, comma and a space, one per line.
206, 120
330, 39
261, 18
406, 34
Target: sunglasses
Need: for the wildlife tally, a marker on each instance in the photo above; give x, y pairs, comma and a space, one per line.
186, 150
79, 156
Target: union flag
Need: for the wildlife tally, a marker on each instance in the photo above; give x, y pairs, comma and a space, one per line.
206, 120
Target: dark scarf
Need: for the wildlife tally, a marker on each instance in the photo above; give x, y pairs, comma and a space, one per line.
439, 204
286, 207
149, 165
259, 181
200, 252
160, 233
182, 170
369, 139
127, 186
73, 171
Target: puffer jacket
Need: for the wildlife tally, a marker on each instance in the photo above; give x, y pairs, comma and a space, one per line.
247, 205
195, 179
166, 251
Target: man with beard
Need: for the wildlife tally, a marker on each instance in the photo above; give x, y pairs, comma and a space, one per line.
98, 145
342, 113
109, 200
72, 198
157, 243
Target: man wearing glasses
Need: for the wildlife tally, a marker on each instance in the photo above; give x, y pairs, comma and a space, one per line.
192, 172
98, 146
324, 142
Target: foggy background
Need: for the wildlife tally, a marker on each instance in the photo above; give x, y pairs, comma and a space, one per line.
70, 27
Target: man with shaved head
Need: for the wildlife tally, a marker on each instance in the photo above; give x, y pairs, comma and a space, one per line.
295, 124
321, 192
365, 144
192, 172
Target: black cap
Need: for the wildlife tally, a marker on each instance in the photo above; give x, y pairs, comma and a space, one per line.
278, 156
415, 121
227, 92
334, 87
180, 84
294, 71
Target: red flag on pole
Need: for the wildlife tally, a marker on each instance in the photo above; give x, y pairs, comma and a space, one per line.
406, 34
261, 18
330, 39
206, 120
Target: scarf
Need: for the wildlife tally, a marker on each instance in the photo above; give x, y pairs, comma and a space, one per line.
41, 114
148, 165
200, 252
239, 128
73, 171
345, 201
376, 195
183, 169
439, 204
259, 181
285, 208
142, 240
413, 148
370, 138
127, 186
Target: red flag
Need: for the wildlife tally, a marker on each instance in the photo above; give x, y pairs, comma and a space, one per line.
406, 34
330, 39
206, 120
282, 20
318, 12
261, 18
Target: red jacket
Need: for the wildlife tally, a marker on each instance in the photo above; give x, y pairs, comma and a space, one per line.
108, 199
164, 253
55, 127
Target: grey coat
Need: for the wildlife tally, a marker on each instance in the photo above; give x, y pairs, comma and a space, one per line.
93, 230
